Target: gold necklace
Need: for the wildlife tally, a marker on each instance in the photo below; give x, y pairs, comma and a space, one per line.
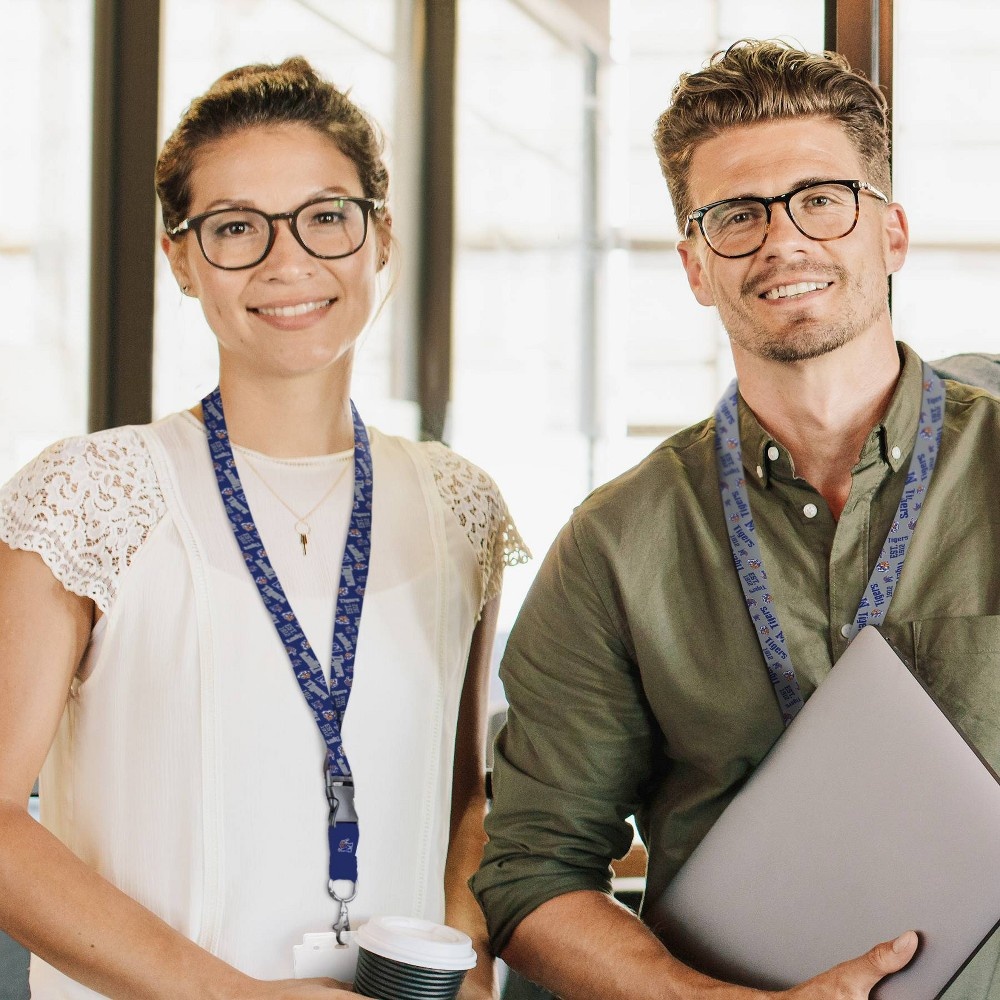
302, 526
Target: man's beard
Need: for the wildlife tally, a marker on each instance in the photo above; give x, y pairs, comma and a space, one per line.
808, 339
801, 336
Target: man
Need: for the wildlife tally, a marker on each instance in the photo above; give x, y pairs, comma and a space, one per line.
635, 677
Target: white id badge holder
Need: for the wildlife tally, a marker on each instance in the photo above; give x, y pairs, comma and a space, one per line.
320, 955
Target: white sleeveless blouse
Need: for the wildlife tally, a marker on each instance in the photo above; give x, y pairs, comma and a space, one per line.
188, 769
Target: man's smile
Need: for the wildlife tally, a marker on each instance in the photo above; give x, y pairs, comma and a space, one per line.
792, 291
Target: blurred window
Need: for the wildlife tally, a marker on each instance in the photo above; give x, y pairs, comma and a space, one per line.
45, 223
521, 354
945, 149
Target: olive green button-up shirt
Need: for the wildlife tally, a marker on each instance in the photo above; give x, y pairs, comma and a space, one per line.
635, 679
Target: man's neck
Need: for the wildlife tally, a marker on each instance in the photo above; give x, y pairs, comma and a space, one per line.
822, 410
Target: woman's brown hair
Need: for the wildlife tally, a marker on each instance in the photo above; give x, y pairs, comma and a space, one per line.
259, 96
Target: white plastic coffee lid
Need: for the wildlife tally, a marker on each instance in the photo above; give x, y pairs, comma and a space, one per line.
417, 942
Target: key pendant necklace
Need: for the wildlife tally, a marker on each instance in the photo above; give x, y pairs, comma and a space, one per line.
302, 526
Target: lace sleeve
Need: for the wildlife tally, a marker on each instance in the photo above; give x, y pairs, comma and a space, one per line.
477, 503
85, 505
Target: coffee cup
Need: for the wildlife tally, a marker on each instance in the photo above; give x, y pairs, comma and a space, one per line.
404, 958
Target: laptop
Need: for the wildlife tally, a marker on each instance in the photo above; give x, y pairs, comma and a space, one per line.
871, 816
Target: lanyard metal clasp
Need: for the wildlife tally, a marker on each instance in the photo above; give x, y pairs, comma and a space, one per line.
340, 796
343, 921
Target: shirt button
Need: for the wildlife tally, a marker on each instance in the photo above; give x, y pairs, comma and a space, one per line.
845, 631
773, 454
810, 510
760, 472
895, 451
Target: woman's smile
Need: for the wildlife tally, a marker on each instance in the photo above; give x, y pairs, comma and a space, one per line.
327, 302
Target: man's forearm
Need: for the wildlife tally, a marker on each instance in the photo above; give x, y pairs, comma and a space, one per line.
584, 944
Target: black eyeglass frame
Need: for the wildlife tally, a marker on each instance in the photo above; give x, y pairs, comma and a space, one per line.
368, 206
855, 186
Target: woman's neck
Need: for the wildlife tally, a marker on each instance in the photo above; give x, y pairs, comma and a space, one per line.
288, 418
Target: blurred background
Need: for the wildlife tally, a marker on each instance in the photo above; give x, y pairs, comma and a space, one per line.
540, 323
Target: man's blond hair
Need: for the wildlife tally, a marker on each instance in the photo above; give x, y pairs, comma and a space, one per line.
755, 81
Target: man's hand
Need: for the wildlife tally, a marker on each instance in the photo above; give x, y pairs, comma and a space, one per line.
854, 980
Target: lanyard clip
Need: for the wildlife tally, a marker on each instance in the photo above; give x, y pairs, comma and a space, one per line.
343, 837
340, 796
343, 922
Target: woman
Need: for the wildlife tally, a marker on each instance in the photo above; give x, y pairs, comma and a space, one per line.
165, 579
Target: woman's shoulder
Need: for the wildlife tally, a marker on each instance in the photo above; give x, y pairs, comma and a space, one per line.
463, 485
477, 505
105, 461
85, 504
474, 498
455, 471
452, 472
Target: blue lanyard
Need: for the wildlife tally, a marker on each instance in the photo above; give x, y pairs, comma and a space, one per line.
328, 702
750, 561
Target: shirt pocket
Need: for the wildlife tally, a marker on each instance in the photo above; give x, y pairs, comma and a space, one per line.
959, 661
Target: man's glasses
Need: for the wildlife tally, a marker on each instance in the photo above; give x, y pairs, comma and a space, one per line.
237, 238
738, 227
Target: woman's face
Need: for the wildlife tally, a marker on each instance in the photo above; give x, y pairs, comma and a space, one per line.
292, 314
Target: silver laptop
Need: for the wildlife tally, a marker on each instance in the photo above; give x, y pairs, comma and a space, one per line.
870, 816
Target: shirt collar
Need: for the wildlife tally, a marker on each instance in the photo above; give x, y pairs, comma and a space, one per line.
763, 455
894, 437
890, 441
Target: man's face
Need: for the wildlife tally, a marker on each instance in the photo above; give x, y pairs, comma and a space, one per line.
841, 293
